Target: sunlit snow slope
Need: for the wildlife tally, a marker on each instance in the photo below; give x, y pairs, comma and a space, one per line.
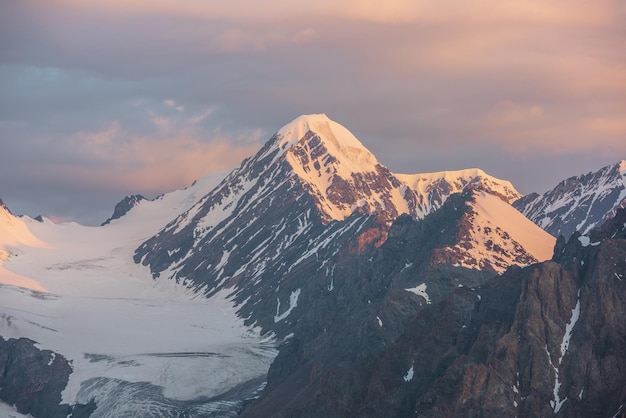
14, 234
493, 235
76, 291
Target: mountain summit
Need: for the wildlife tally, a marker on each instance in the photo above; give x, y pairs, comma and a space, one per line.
337, 170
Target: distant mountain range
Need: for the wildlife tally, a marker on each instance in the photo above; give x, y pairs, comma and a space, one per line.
370, 293
578, 203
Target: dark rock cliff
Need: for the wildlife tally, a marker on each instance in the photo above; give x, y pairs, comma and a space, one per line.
32, 380
124, 206
545, 340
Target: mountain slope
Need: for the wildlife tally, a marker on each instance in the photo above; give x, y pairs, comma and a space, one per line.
496, 236
542, 341
545, 340
578, 203
14, 233
155, 213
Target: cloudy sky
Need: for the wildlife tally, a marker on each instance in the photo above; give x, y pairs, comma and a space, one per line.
104, 98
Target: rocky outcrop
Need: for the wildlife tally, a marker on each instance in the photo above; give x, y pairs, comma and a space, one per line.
124, 206
5, 207
32, 380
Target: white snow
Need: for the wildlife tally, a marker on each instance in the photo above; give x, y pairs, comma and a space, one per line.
557, 403
14, 234
409, 374
570, 327
9, 411
293, 303
585, 241
534, 240
76, 291
420, 290
158, 212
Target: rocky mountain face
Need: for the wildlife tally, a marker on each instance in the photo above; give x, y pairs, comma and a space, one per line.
578, 203
544, 340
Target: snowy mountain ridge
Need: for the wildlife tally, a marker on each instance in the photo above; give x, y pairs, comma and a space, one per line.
578, 203
432, 189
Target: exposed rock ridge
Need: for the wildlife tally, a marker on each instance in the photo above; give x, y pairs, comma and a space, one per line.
578, 203
124, 206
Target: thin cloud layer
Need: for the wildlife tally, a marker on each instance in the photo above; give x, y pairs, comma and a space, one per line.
102, 97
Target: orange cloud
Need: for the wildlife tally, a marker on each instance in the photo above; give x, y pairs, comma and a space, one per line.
152, 164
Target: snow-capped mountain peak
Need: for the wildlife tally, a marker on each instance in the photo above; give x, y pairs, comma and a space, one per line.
337, 170
338, 140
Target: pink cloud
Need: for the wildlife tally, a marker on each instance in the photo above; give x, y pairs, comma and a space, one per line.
578, 12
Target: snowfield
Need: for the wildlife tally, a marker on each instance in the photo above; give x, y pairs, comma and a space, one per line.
75, 290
